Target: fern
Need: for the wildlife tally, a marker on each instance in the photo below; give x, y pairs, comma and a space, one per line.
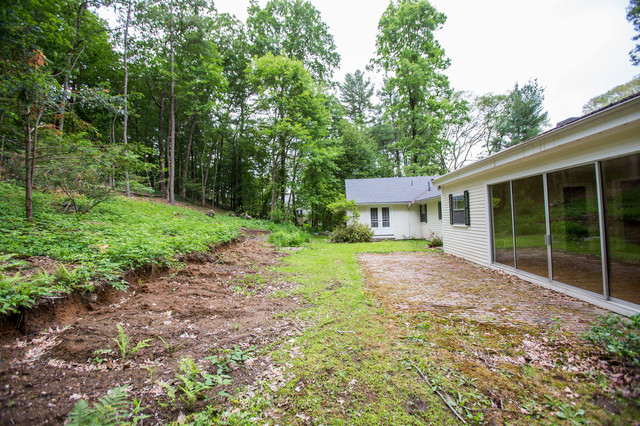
115, 409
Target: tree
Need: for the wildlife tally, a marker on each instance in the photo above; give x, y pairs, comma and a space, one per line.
413, 63
523, 116
466, 132
617, 93
292, 114
356, 95
633, 16
295, 29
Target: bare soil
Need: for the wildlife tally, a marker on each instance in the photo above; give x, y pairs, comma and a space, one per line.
217, 301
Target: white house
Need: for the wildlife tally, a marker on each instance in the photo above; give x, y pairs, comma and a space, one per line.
561, 209
399, 207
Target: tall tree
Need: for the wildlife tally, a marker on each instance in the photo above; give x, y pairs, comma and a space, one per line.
294, 28
356, 93
523, 116
292, 115
413, 63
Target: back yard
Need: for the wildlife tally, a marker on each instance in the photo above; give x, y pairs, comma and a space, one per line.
377, 333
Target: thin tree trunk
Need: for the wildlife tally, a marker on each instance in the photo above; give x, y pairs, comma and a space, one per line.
126, 84
185, 169
172, 120
205, 176
215, 174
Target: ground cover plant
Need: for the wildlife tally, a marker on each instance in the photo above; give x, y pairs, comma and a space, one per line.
96, 248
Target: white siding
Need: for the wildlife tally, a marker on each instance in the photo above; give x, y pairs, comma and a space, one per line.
404, 221
433, 225
470, 242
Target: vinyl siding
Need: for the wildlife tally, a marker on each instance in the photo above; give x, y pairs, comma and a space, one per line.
433, 225
404, 220
470, 242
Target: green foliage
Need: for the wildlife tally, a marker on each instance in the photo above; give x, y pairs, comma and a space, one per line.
193, 383
522, 116
633, 16
117, 408
125, 346
434, 240
289, 237
354, 232
617, 93
117, 235
617, 337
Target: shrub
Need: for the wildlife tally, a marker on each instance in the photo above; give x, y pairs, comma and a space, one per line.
434, 240
288, 238
617, 336
352, 233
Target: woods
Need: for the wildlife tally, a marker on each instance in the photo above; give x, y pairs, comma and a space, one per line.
177, 99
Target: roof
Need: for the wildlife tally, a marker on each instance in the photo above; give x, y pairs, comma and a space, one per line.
393, 190
615, 115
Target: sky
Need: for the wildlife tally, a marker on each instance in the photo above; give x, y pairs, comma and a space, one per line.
576, 49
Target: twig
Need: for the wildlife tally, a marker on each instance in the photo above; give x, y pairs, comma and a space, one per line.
438, 392
345, 331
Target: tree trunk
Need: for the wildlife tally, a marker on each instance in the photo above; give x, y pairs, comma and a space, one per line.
205, 176
172, 119
215, 173
185, 167
125, 120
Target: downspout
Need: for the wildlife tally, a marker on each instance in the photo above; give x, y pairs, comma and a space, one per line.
409, 218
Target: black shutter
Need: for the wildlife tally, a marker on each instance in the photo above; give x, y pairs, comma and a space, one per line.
467, 219
451, 209
439, 210
426, 216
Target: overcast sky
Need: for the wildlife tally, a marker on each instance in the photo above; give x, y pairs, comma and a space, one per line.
577, 49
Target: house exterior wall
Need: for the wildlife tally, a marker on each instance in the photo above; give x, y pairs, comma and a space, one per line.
434, 224
404, 220
470, 242
586, 143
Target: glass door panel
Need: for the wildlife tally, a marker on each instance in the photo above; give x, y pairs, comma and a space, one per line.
575, 227
530, 225
502, 224
621, 182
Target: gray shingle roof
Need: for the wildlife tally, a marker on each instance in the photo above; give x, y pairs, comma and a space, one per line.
391, 190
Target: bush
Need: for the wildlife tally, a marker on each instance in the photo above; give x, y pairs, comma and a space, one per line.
352, 233
288, 238
434, 240
617, 337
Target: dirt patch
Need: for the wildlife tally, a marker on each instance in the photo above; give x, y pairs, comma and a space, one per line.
516, 340
221, 300
435, 282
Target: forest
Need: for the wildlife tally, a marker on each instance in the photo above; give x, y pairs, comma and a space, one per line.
174, 99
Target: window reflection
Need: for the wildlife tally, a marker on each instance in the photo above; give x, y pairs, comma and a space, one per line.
621, 181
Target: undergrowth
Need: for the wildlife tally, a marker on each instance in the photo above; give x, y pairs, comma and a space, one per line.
98, 247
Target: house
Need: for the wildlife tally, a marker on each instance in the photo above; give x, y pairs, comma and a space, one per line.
399, 207
561, 209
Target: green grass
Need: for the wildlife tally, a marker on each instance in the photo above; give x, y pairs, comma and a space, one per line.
348, 367
118, 235
356, 362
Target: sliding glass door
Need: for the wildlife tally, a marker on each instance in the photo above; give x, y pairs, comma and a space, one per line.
621, 182
530, 227
555, 223
575, 227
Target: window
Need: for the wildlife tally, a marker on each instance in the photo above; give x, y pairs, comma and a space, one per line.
439, 210
374, 217
423, 213
459, 209
385, 217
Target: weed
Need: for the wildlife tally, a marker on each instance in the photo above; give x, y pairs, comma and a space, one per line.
617, 337
192, 383
124, 344
169, 347
98, 355
116, 407
567, 412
